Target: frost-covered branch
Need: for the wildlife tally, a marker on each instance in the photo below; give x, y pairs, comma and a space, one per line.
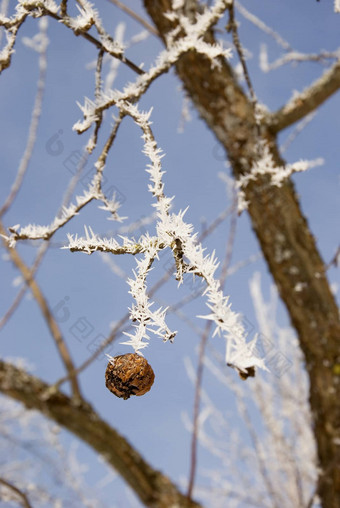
307, 101
266, 165
147, 320
191, 40
119, 327
93, 243
94, 192
88, 17
80, 25
189, 256
294, 57
36, 232
11, 33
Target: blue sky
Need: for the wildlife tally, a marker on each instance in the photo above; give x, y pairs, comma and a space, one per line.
94, 296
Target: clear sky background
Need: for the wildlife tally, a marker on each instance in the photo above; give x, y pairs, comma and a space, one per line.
93, 295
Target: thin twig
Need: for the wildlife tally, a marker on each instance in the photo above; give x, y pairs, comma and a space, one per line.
32, 132
231, 240
194, 436
99, 45
95, 193
195, 294
19, 493
115, 332
263, 467
296, 131
46, 312
296, 57
101, 161
98, 88
135, 16
98, 75
262, 26
31, 140
232, 26
15, 304
44, 247
203, 344
335, 260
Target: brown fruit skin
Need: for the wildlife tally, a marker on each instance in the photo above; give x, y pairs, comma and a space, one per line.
128, 375
250, 372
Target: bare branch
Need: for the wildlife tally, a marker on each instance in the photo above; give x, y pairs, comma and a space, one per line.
335, 259
195, 429
262, 26
294, 57
307, 101
297, 130
44, 247
46, 312
32, 132
33, 232
135, 16
98, 44
18, 493
232, 26
152, 487
191, 40
202, 348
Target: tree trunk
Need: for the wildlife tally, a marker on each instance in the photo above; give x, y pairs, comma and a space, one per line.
285, 240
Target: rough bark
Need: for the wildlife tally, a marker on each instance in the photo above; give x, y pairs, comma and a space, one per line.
152, 487
286, 241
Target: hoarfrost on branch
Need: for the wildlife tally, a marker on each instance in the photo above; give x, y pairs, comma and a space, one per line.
172, 232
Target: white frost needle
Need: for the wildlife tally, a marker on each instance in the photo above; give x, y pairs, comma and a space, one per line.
172, 232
